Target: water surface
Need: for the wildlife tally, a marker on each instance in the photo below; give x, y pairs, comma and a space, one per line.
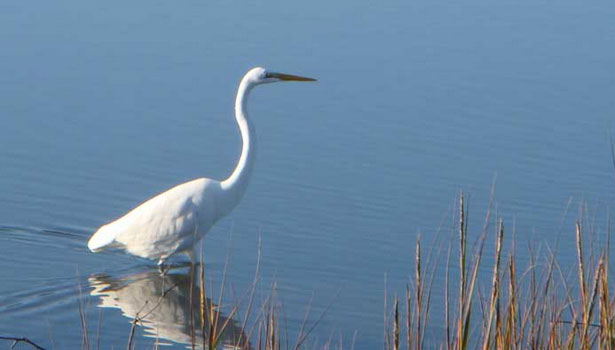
103, 105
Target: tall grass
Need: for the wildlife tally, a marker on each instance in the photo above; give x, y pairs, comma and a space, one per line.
541, 306
254, 326
539, 309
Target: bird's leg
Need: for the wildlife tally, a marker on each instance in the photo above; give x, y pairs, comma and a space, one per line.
162, 268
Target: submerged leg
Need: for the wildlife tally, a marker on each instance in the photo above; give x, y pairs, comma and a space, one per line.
162, 268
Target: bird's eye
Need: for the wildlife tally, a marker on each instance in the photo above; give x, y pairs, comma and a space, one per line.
267, 75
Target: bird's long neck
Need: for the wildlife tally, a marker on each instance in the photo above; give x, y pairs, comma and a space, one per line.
237, 182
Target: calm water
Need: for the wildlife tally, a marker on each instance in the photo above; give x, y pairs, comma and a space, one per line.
104, 104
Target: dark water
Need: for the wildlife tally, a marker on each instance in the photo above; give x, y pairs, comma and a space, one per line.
103, 105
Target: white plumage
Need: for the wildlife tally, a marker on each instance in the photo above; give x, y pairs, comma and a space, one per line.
174, 221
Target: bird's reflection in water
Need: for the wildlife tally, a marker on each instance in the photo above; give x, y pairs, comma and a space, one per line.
168, 307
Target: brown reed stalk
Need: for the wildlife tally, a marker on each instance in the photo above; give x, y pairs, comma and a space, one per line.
449, 343
202, 298
498, 324
466, 314
396, 324
303, 336
385, 322
208, 310
607, 334
580, 265
495, 285
510, 326
544, 313
419, 293
259, 340
553, 341
589, 308
462, 271
606, 328
85, 344
191, 322
408, 318
252, 293
584, 343
535, 315
272, 334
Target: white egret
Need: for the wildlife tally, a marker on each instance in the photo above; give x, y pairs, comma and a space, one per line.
176, 220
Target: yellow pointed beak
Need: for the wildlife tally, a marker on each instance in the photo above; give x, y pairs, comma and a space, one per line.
289, 77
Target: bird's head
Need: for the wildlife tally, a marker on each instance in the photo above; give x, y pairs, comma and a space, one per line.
261, 75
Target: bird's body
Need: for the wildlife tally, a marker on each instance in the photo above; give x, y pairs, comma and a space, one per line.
175, 220
172, 222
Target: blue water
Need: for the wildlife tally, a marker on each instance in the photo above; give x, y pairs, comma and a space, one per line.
103, 105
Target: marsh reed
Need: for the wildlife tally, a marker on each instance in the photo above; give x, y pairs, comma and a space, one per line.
541, 308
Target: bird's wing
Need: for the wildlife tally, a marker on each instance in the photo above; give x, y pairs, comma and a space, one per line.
164, 223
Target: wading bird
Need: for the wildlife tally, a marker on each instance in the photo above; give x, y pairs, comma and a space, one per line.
176, 220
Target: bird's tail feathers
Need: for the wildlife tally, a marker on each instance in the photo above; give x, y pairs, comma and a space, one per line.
101, 239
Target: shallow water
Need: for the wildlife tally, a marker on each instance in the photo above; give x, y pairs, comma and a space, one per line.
105, 105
